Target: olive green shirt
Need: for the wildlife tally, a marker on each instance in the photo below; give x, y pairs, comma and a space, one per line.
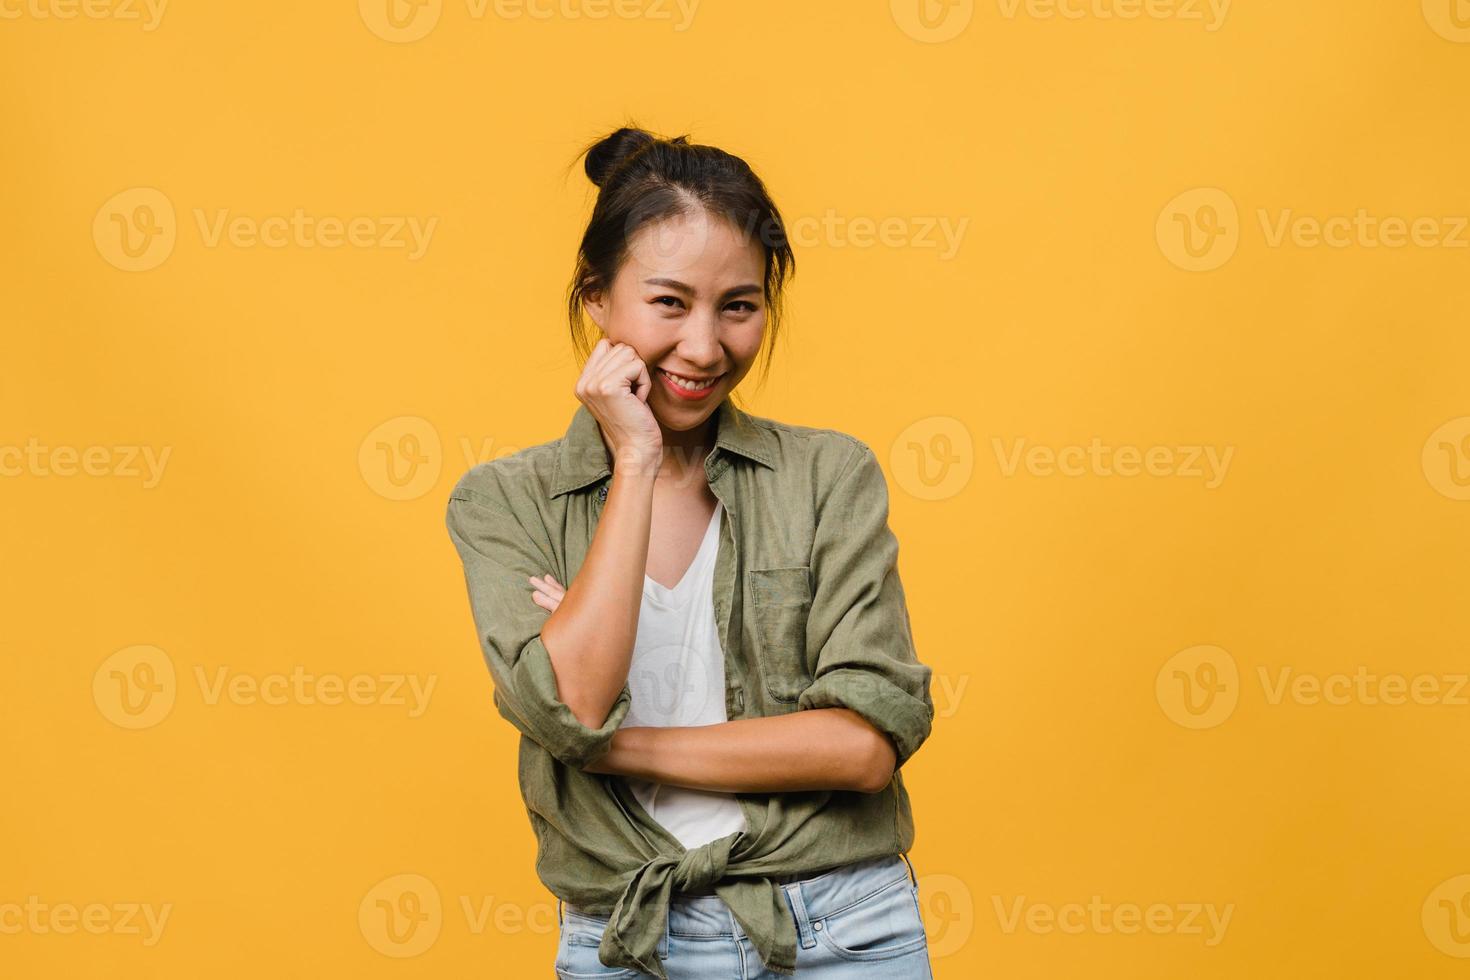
810, 614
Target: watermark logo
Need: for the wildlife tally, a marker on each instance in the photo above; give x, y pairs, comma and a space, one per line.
401, 459
1198, 687
1446, 459
932, 21
135, 687
1450, 19
1201, 686
948, 913
1446, 917
933, 458
406, 21
669, 246
1199, 230
669, 686
135, 230
401, 916
400, 21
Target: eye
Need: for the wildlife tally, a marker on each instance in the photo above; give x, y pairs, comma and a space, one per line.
749, 307
675, 302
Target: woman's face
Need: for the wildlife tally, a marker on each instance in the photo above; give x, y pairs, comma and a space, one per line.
689, 300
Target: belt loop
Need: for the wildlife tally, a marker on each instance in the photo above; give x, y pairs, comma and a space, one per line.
912, 874
798, 912
663, 941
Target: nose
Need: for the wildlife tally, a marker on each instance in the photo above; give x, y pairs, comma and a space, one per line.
699, 340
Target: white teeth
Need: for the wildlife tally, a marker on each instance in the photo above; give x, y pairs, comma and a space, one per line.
690, 385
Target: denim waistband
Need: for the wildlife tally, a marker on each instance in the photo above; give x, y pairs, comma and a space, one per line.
810, 897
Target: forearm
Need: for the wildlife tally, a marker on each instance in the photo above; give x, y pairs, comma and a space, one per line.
824, 748
590, 635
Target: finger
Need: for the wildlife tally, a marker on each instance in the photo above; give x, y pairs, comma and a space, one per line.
630, 369
644, 385
610, 372
594, 366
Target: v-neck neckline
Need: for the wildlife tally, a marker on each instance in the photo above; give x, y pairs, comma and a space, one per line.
678, 595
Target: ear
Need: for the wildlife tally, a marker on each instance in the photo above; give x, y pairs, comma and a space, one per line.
595, 303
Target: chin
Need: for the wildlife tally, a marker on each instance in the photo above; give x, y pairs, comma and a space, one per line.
684, 421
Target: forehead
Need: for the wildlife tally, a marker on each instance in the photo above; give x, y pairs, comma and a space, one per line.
695, 248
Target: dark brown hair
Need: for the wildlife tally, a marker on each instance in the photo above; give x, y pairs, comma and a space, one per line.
642, 178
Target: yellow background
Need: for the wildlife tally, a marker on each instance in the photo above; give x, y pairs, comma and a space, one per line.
1065, 763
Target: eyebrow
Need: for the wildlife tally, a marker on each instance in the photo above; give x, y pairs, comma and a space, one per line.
741, 290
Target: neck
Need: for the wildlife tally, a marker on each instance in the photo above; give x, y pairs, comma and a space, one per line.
685, 451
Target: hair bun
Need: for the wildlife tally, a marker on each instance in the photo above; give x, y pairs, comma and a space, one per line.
614, 150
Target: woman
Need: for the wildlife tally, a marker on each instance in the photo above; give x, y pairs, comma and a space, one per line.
715, 707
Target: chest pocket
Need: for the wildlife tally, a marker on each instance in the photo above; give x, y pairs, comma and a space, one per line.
780, 602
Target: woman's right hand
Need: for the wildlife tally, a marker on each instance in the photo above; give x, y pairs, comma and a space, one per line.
614, 386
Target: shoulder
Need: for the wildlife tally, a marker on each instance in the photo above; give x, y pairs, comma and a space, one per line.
828, 454
521, 478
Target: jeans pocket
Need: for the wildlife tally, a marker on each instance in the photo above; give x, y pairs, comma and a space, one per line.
576, 950
780, 603
883, 925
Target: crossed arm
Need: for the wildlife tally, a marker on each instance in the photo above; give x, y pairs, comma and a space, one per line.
589, 638
562, 679
824, 748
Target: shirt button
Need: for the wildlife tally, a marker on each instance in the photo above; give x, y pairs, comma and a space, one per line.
602, 493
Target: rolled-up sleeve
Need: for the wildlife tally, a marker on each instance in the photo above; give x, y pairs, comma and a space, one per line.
501, 544
859, 621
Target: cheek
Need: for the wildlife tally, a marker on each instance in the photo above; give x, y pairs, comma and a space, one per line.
749, 337
634, 323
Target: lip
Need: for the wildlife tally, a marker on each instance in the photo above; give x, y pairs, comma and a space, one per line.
689, 396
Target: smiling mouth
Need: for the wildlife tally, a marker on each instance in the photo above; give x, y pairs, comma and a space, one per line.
691, 384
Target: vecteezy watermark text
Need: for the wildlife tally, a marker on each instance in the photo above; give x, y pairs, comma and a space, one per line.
39, 918
1209, 463
35, 459
1096, 917
1210, 13
148, 12
136, 230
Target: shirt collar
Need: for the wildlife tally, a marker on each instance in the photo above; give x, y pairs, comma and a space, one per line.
584, 459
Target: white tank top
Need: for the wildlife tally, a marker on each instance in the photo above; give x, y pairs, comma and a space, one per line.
677, 678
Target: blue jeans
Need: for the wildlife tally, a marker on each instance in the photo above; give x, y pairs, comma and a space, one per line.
860, 920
